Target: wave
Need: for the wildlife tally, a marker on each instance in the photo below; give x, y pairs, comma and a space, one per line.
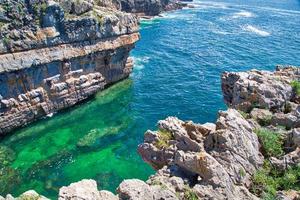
237, 15
178, 15
242, 14
254, 29
140, 62
210, 4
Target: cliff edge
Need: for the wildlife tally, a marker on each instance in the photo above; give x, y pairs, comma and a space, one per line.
54, 54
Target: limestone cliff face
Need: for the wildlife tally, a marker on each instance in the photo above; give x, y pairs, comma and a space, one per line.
56, 54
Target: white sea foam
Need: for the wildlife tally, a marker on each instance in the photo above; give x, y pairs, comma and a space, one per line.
237, 15
50, 115
256, 30
139, 62
211, 4
242, 14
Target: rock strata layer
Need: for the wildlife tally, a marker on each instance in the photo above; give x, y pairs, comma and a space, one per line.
54, 54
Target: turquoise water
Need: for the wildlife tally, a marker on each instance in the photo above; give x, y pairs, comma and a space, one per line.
178, 63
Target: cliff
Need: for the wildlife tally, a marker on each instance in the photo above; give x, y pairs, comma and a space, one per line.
150, 7
251, 152
54, 54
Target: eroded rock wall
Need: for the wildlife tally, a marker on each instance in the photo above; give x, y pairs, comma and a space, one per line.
59, 61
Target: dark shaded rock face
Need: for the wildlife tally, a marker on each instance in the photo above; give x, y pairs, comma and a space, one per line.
149, 7
54, 55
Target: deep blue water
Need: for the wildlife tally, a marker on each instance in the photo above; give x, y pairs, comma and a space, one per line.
178, 64
181, 56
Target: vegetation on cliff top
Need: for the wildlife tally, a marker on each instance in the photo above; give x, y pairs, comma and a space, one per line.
268, 180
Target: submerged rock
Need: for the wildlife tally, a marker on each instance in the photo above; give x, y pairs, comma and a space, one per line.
9, 179
7, 155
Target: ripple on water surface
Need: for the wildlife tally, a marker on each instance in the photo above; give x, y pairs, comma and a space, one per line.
178, 64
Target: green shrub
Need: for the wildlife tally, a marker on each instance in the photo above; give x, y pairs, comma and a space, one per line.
291, 179
272, 142
296, 86
266, 121
267, 181
164, 138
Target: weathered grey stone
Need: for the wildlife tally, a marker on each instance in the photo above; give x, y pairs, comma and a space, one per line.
261, 115
85, 189
263, 89
224, 159
288, 120
288, 195
106, 195
134, 189
289, 160
295, 137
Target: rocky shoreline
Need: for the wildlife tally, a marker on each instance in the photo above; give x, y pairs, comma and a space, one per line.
233, 158
55, 54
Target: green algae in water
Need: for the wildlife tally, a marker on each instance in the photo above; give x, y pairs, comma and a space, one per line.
87, 141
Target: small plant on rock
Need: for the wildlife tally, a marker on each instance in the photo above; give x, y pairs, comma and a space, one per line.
164, 138
272, 142
296, 87
189, 194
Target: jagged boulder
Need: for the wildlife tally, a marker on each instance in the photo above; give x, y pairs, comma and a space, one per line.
223, 156
85, 189
263, 89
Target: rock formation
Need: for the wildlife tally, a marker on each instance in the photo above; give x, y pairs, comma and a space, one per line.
221, 160
54, 54
149, 7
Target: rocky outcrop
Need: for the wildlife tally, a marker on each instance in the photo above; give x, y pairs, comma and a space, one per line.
54, 54
150, 7
270, 90
216, 162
